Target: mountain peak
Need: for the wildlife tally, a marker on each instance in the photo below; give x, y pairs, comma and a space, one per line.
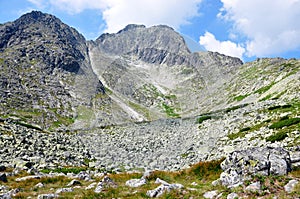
131, 27
137, 38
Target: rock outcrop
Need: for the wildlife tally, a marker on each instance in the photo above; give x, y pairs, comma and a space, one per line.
239, 165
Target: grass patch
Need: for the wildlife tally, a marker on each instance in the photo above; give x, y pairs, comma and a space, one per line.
264, 89
240, 97
277, 137
279, 107
233, 136
170, 111
284, 122
234, 108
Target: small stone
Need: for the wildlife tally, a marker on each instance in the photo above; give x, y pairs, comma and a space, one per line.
39, 185
289, 187
232, 196
105, 182
63, 190
83, 175
27, 178
158, 191
91, 186
3, 177
47, 196
216, 182
210, 194
73, 183
136, 182
194, 183
256, 186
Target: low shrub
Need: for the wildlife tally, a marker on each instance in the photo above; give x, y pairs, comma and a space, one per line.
203, 118
284, 122
277, 137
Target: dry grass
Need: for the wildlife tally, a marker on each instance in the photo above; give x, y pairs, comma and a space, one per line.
202, 174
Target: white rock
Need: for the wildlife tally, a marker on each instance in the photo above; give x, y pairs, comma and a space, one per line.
232, 196
289, 187
62, 190
210, 194
136, 182
39, 185
91, 186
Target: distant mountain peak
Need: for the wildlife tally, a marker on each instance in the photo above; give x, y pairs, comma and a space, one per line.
131, 27
136, 38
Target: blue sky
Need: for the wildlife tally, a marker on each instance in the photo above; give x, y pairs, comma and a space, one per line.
242, 28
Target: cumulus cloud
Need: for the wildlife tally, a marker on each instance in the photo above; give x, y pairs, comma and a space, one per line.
118, 13
270, 26
225, 47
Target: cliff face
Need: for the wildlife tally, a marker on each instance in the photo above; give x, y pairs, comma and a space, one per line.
44, 68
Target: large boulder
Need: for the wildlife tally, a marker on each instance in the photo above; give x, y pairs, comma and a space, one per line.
262, 161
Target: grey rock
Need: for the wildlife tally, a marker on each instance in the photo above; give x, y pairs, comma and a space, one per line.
105, 182
232, 196
289, 187
136, 182
210, 194
161, 189
231, 178
91, 186
254, 187
73, 183
164, 187
5, 195
83, 175
63, 190
264, 161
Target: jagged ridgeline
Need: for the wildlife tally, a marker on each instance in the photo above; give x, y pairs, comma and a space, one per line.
52, 78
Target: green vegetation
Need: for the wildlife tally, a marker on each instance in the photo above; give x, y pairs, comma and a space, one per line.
203, 118
279, 107
234, 108
234, 136
241, 97
277, 137
267, 97
170, 111
264, 89
284, 122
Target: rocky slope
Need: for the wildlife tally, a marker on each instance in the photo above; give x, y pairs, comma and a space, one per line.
136, 99
44, 66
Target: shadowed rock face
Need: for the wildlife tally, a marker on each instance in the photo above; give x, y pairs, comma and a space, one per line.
44, 68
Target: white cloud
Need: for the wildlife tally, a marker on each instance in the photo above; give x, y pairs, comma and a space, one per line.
271, 26
118, 13
225, 47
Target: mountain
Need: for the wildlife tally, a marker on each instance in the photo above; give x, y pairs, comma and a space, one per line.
138, 98
53, 78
